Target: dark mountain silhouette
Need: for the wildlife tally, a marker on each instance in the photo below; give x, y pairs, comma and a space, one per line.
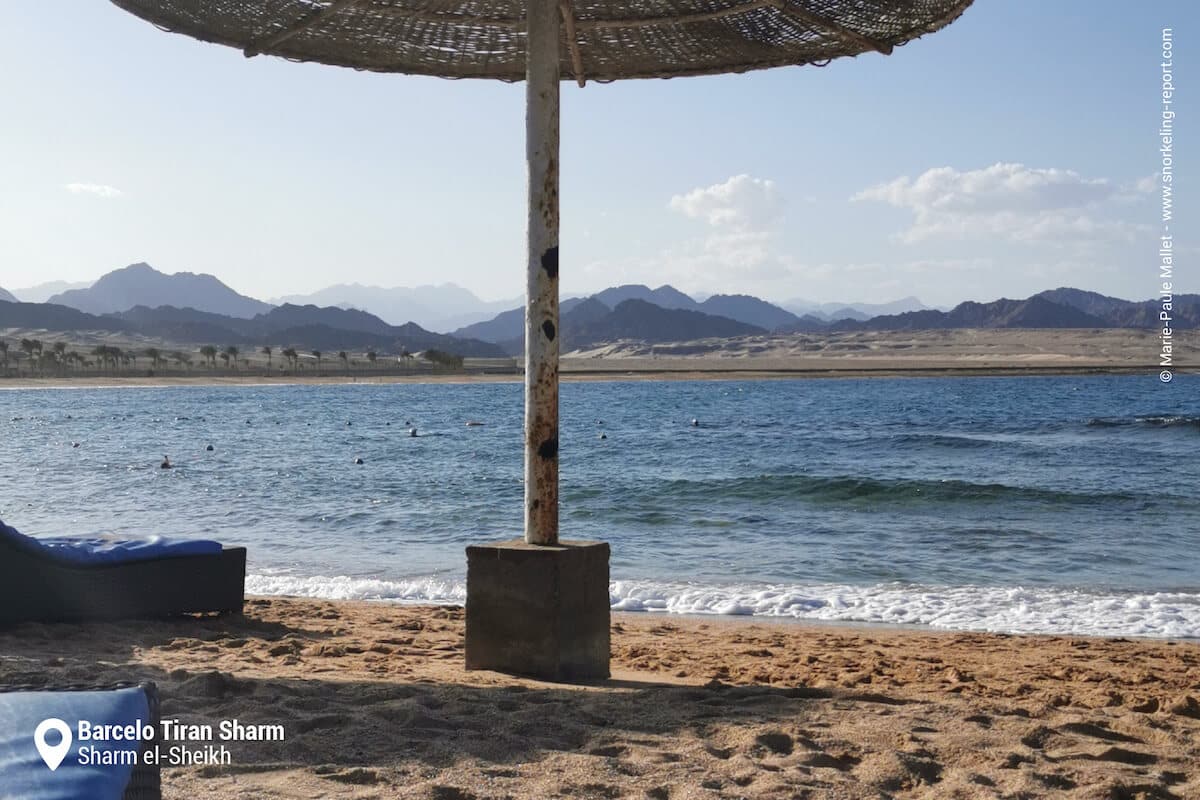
507, 324
169, 316
1125, 314
189, 325
410, 337
1034, 312
591, 322
307, 328
646, 322
748, 309
141, 284
1094, 303
6, 297
345, 319
1185, 313
586, 312
663, 297
580, 314
52, 317
805, 324
1073, 308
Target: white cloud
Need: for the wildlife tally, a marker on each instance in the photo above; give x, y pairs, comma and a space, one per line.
95, 189
741, 203
742, 213
1004, 200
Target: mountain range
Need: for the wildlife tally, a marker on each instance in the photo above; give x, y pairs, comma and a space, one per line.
1056, 308
44, 291
142, 285
443, 307
200, 309
303, 327
830, 312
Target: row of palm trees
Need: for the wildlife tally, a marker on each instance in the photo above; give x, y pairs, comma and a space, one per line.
58, 359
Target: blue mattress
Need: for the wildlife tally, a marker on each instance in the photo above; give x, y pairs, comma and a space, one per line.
93, 551
23, 773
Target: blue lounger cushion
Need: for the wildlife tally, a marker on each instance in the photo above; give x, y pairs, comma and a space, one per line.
86, 552
23, 773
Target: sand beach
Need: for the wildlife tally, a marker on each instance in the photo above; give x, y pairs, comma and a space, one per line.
376, 703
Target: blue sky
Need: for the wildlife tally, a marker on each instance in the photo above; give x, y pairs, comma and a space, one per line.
1012, 152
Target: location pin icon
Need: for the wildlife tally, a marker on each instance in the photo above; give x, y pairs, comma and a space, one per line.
52, 754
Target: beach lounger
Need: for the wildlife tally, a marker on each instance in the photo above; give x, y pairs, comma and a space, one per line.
60, 580
111, 770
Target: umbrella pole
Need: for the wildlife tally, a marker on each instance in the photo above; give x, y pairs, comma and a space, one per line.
541, 303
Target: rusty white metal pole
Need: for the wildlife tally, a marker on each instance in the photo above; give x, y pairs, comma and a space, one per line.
541, 301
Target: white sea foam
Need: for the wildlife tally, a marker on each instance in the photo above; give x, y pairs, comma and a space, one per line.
997, 609
418, 590
975, 608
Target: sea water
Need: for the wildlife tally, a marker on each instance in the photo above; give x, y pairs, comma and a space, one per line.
1039, 504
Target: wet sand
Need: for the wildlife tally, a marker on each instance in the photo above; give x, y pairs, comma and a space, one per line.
376, 704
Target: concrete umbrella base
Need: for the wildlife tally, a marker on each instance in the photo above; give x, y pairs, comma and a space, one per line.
539, 610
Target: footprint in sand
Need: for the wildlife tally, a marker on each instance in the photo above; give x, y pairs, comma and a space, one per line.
608, 751
1098, 732
777, 742
356, 777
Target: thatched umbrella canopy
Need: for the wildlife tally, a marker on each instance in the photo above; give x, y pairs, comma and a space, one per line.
541, 41
604, 40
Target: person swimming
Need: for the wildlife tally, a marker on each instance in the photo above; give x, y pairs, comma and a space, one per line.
166, 463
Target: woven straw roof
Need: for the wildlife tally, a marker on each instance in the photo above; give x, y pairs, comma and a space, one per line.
603, 39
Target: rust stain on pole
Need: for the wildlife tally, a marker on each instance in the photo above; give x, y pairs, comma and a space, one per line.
541, 304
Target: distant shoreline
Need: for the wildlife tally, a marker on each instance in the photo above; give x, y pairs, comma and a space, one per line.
613, 372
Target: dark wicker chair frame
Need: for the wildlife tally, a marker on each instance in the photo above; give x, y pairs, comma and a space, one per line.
145, 781
37, 588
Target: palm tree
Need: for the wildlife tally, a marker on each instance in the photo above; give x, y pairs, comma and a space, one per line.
210, 354
345, 359
371, 356
267, 351
4, 353
231, 354
101, 354
60, 357
225, 358
291, 355
317, 356
31, 346
181, 358
155, 356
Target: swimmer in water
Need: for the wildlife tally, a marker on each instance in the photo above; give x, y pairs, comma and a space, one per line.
166, 463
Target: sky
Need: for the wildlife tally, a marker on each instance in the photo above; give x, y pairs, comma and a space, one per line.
1012, 152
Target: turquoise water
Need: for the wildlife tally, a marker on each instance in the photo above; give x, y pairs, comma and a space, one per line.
1048, 504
